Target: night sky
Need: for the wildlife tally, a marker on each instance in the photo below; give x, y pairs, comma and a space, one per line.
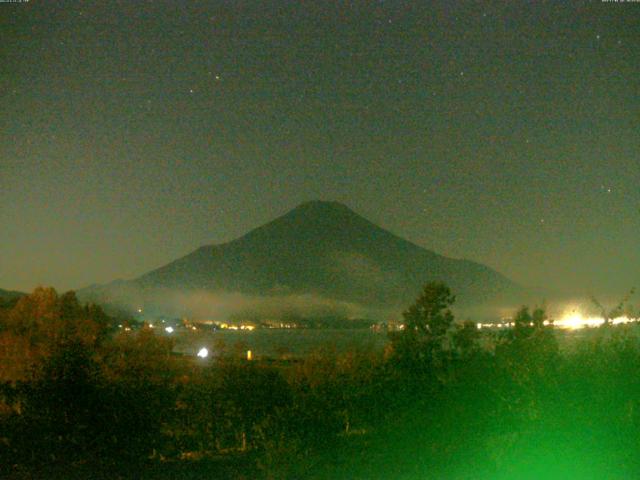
133, 132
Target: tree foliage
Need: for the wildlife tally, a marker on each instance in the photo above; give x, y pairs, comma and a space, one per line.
450, 401
422, 345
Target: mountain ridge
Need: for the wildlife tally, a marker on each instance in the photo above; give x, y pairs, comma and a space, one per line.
325, 249
10, 294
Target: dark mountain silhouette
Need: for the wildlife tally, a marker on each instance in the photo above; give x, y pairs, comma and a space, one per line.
324, 249
10, 294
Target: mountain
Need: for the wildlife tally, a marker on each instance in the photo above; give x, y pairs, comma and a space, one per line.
9, 294
322, 249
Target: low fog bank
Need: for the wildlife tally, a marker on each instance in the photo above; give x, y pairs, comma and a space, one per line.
225, 306
128, 298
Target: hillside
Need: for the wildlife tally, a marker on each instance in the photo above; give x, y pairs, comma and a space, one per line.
9, 294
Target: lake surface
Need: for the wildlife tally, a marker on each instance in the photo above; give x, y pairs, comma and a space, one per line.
290, 343
277, 342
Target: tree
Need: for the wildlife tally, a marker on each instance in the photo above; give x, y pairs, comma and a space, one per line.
465, 339
622, 307
422, 344
528, 356
247, 395
41, 324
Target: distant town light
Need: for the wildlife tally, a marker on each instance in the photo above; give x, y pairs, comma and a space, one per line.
169, 329
576, 320
203, 353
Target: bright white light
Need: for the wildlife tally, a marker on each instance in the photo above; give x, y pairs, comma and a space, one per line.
619, 320
203, 353
576, 320
169, 329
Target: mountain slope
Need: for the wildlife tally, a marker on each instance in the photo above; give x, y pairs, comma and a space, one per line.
324, 248
10, 294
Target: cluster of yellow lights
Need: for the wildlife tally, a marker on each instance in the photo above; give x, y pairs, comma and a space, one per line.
570, 321
227, 326
575, 321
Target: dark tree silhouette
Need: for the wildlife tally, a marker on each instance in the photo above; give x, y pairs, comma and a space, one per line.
421, 344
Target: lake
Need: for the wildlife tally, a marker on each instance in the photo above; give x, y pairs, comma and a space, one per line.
277, 342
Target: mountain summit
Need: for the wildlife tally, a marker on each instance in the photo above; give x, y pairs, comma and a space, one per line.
320, 249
